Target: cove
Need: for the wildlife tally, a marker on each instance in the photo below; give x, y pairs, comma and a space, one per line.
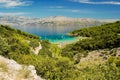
55, 34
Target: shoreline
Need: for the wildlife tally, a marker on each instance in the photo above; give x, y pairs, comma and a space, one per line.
64, 42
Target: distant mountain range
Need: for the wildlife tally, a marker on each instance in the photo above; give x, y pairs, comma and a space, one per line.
52, 21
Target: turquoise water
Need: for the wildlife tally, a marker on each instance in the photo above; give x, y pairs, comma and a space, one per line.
63, 38
55, 34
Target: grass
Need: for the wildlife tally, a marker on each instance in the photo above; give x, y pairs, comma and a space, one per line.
3, 66
24, 73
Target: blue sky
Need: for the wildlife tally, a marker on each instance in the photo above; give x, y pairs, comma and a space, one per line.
99, 9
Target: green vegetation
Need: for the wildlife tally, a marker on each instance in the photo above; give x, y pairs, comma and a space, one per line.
54, 63
102, 37
15, 41
100, 72
105, 29
15, 44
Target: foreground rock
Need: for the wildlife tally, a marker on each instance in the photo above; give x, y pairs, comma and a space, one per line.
10, 70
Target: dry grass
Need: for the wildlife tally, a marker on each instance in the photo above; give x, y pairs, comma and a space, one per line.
3, 66
24, 73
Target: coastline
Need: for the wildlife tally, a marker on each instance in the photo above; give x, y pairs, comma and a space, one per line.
64, 42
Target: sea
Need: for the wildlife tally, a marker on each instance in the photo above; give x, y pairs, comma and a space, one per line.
55, 34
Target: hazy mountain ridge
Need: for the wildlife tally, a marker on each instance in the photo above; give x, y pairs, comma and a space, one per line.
51, 21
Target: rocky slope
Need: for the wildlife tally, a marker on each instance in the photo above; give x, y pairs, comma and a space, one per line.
97, 57
10, 70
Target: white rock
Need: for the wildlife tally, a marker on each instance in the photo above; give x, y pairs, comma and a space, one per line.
10, 70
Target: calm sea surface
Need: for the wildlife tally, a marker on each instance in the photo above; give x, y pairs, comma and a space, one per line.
52, 33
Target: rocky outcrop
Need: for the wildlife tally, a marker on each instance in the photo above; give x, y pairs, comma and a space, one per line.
98, 57
37, 49
10, 70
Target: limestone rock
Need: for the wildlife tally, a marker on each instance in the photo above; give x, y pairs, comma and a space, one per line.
11, 70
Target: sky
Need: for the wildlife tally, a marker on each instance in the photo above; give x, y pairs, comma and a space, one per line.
98, 9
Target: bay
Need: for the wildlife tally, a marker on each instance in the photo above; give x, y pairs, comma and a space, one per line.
55, 34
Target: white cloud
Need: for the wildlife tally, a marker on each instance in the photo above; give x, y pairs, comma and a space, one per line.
56, 7
14, 3
79, 11
73, 11
92, 2
13, 14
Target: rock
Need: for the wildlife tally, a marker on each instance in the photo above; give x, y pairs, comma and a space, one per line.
11, 70
105, 57
37, 49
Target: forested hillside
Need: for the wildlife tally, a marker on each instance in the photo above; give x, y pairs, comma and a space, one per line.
15, 41
49, 63
98, 56
95, 58
99, 37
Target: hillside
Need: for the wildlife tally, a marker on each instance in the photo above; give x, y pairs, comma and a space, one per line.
18, 45
96, 57
99, 37
12, 40
98, 53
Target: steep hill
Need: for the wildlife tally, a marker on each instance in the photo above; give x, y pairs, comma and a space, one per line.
16, 41
49, 64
